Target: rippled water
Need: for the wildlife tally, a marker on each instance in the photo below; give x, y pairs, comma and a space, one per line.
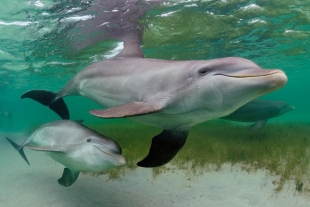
44, 43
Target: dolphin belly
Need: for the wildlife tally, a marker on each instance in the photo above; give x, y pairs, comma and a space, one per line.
171, 121
77, 163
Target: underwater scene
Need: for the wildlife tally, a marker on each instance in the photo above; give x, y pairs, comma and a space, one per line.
155, 103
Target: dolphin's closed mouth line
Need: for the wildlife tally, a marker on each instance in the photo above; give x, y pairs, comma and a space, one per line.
291, 107
248, 76
106, 152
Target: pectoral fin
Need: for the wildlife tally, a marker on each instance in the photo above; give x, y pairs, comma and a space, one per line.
129, 109
68, 177
258, 124
47, 148
164, 147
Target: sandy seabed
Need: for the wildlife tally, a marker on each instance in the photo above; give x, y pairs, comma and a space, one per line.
36, 185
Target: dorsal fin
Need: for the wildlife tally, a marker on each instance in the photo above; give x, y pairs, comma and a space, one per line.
132, 46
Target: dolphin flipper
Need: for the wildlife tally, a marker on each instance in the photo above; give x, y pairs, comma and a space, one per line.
68, 177
258, 124
164, 147
48, 98
55, 148
129, 109
20, 149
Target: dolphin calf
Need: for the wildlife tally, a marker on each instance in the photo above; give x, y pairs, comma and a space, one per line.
172, 95
75, 146
259, 111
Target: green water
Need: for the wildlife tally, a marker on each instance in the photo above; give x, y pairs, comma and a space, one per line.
34, 54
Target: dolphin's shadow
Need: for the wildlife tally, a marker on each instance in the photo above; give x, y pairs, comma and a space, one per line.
86, 191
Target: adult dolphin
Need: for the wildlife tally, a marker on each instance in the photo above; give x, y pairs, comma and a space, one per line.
77, 147
259, 111
172, 95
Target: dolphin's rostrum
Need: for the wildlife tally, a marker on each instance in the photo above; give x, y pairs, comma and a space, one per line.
75, 146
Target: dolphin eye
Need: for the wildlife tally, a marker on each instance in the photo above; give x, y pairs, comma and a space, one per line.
203, 71
88, 139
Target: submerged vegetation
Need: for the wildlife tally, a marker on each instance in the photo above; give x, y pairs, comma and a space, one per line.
281, 149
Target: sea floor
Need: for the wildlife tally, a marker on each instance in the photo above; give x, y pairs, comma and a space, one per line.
230, 186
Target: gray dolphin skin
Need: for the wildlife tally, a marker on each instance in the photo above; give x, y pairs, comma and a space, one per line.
259, 111
172, 95
75, 146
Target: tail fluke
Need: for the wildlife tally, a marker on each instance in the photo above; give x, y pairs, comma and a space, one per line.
48, 98
20, 149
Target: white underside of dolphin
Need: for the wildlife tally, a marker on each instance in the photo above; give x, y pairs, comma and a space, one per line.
172, 95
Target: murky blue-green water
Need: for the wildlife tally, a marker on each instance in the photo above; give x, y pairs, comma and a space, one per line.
40, 50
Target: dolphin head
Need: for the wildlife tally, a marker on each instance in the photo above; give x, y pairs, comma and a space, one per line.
225, 84
284, 107
99, 153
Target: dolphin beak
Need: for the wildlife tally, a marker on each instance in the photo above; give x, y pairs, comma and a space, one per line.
274, 78
121, 159
291, 108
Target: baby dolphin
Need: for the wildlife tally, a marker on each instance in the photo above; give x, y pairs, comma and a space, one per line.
259, 111
75, 146
172, 95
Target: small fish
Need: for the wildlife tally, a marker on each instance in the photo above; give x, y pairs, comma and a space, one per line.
75, 146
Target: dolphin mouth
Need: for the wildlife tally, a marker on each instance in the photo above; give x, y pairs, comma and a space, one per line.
262, 74
290, 108
110, 154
